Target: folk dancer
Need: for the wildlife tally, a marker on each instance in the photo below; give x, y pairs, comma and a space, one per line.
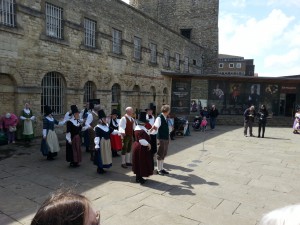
162, 128
153, 138
50, 146
126, 128
103, 158
115, 139
90, 123
142, 157
73, 145
27, 117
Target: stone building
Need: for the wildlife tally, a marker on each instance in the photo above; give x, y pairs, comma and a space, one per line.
236, 65
59, 52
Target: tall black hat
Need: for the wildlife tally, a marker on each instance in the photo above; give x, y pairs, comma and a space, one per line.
150, 107
47, 110
101, 114
91, 105
142, 117
74, 109
115, 112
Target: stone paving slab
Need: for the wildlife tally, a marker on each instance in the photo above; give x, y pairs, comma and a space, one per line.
216, 178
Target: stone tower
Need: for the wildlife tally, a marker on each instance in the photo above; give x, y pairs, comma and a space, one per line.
195, 19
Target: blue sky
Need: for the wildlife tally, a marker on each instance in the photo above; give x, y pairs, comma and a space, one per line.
267, 31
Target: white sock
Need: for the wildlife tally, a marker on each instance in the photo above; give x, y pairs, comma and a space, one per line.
162, 164
123, 159
159, 165
128, 159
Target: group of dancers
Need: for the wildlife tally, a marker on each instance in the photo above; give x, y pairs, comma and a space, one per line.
138, 139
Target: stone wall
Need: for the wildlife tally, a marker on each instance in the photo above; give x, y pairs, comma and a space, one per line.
199, 15
27, 55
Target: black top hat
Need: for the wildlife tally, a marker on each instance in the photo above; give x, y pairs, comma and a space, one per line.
150, 107
74, 109
142, 117
47, 110
114, 112
101, 114
91, 105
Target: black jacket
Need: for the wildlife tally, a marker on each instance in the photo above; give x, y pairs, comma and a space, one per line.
262, 116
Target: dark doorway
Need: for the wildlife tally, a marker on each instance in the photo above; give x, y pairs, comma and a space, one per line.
290, 104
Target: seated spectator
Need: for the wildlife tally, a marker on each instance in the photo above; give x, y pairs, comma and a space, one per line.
9, 124
289, 215
65, 208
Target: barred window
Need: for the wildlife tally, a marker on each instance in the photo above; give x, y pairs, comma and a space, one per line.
117, 41
186, 64
54, 27
89, 91
166, 58
90, 33
7, 13
177, 58
137, 48
153, 49
116, 93
53, 92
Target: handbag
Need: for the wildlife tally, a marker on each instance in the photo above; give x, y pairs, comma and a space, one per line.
12, 128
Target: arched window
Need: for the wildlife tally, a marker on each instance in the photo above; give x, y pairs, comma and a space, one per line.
53, 92
116, 93
89, 91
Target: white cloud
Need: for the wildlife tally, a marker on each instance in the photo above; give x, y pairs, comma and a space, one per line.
283, 3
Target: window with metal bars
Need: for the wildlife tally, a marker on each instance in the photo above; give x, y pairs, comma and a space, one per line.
53, 92
116, 47
137, 48
166, 58
153, 49
54, 25
89, 90
90, 33
186, 64
7, 13
116, 93
177, 59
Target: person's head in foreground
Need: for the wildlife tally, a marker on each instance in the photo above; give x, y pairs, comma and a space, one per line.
289, 215
66, 208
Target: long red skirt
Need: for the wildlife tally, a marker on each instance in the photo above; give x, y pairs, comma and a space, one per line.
142, 160
116, 142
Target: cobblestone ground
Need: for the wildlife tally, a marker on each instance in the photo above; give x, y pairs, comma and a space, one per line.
226, 180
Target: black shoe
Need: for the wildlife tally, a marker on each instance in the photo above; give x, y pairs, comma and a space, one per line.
74, 165
128, 164
258, 136
142, 180
262, 136
101, 171
137, 179
160, 173
124, 166
164, 171
50, 158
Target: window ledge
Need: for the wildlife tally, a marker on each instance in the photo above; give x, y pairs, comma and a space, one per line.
153, 64
136, 60
90, 49
13, 30
54, 40
119, 56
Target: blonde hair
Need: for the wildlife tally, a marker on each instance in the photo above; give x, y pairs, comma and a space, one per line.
165, 108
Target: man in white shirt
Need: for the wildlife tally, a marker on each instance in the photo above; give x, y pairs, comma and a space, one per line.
126, 128
162, 128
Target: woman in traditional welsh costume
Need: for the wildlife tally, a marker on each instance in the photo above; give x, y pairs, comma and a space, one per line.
115, 139
50, 145
103, 158
142, 158
73, 145
27, 117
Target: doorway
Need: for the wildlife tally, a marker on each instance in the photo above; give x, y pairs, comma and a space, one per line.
290, 104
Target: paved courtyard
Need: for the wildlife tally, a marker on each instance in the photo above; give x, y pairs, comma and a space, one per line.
227, 180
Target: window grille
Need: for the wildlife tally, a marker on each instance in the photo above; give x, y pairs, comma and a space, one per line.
89, 90
90, 33
153, 49
116, 93
54, 26
53, 92
177, 58
166, 58
137, 48
186, 64
117, 41
7, 13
